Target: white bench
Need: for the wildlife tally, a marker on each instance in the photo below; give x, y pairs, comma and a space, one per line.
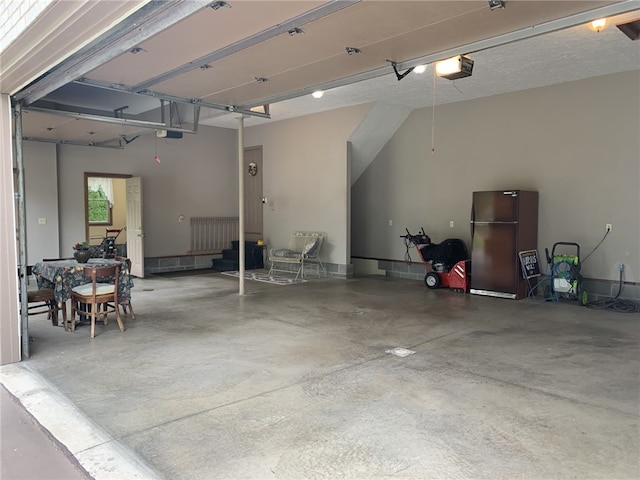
303, 251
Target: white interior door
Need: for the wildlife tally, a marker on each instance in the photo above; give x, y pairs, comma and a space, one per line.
135, 226
253, 203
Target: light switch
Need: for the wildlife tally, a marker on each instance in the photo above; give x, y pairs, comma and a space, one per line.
451, 224
42, 221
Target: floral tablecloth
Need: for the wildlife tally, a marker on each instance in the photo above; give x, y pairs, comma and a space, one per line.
63, 275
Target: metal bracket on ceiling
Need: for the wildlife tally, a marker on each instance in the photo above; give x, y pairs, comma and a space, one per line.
118, 111
219, 4
127, 141
265, 108
172, 98
118, 146
399, 75
105, 119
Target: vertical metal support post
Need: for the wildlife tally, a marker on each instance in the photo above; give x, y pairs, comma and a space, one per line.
196, 117
241, 201
22, 237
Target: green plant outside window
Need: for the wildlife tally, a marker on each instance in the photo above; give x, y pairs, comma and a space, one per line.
99, 207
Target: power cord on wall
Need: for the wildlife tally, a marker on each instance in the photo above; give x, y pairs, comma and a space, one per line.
594, 248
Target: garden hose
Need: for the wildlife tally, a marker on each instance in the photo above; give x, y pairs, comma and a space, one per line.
615, 304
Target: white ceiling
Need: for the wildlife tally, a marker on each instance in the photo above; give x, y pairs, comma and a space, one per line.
250, 40
572, 54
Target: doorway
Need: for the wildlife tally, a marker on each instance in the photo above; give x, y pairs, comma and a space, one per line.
253, 199
105, 207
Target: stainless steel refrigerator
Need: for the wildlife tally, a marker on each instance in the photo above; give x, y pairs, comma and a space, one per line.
503, 223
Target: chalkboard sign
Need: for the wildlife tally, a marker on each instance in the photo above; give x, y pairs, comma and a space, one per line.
529, 263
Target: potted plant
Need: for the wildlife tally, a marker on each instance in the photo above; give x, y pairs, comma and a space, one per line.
81, 252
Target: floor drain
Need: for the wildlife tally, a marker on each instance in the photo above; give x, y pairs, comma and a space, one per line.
400, 352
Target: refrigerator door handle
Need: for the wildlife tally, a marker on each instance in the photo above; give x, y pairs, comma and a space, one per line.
472, 224
497, 222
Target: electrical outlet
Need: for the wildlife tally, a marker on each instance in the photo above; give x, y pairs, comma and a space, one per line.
390, 222
608, 227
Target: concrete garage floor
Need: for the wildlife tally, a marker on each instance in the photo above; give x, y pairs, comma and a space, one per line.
293, 382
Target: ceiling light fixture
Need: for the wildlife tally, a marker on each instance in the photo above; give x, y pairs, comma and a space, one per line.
220, 4
456, 67
352, 50
496, 4
420, 68
598, 24
318, 94
295, 31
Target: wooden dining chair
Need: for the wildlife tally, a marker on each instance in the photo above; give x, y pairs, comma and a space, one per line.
102, 290
127, 261
42, 300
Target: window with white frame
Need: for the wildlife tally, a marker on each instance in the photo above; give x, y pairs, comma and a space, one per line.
99, 200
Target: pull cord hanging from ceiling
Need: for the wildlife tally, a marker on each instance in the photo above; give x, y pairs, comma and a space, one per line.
156, 157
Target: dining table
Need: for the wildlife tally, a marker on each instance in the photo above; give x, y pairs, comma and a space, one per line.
63, 275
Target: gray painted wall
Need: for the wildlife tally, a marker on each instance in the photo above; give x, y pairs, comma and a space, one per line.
576, 143
373, 133
306, 177
196, 176
41, 200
